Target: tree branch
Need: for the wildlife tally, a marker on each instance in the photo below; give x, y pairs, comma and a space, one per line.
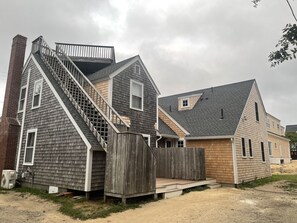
291, 10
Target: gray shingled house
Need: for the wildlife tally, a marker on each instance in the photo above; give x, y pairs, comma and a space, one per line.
227, 121
82, 115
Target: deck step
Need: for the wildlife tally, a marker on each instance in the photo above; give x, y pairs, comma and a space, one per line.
172, 193
214, 185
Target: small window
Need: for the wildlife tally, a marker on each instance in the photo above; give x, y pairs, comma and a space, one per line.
37, 94
22, 98
269, 148
30, 147
147, 139
137, 69
250, 148
243, 147
136, 95
263, 152
168, 144
257, 111
180, 143
185, 103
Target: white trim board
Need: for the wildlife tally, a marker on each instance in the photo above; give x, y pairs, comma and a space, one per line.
83, 137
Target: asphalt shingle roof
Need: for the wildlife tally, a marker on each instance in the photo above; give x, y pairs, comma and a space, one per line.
291, 128
105, 72
204, 119
164, 129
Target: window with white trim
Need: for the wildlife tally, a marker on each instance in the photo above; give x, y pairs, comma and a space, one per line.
147, 138
22, 98
180, 143
243, 147
262, 151
250, 148
136, 95
37, 93
185, 103
30, 147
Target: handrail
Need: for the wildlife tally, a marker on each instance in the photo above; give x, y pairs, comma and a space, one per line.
75, 83
88, 51
109, 111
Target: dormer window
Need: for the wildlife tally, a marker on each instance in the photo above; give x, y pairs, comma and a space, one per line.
185, 103
188, 102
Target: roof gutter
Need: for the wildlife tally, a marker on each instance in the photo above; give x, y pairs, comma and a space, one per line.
209, 137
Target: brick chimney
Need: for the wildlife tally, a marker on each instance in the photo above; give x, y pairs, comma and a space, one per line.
9, 126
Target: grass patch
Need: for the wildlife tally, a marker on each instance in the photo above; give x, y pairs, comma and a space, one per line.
292, 179
81, 208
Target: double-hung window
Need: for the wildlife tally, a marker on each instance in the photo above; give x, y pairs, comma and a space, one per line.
30, 147
37, 94
22, 98
136, 95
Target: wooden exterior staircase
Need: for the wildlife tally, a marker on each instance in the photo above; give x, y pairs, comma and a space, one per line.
105, 124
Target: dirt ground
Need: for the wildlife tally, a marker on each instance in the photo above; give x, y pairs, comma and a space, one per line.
269, 203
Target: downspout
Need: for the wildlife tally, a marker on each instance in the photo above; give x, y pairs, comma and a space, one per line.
235, 170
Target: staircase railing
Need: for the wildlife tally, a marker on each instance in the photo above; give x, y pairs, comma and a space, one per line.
93, 108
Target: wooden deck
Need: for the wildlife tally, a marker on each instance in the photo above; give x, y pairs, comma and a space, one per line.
174, 187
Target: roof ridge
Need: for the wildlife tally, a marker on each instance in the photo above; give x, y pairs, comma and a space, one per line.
204, 89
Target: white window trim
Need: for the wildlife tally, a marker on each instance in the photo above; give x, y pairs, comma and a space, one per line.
251, 157
142, 88
184, 142
34, 146
24, 98
149, 138
135, 69
244, 157
39, 103
184, 99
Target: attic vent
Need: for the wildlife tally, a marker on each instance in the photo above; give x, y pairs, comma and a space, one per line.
137, 69
222, 114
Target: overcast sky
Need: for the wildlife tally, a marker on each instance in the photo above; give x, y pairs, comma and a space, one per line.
185, 44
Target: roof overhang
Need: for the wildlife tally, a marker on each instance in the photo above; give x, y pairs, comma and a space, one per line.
278, 136
209, 137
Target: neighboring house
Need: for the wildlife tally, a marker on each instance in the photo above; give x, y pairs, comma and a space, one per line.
228, 121
278, 144
291, 132
291, 128
66, 124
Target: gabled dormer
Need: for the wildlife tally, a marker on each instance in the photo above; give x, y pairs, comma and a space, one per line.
188, 102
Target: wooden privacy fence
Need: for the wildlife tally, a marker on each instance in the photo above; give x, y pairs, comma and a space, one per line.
180, 163
130, 166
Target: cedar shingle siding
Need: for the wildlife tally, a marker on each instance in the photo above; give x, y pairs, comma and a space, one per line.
141, 121
60, 154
